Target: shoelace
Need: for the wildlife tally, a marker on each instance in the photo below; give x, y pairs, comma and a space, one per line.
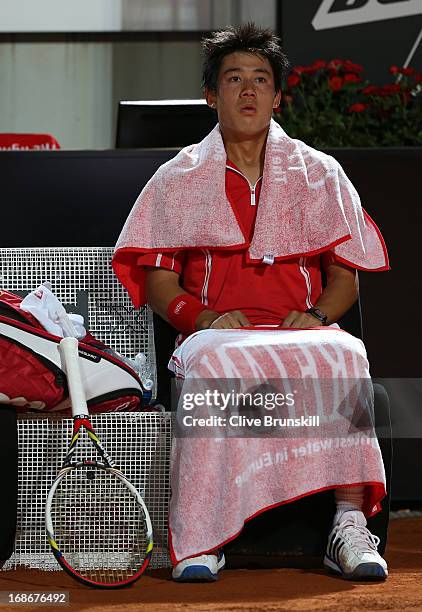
363, 540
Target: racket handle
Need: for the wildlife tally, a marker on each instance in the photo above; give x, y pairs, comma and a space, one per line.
69, 349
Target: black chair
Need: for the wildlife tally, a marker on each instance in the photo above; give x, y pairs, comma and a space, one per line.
294, 534
9, 466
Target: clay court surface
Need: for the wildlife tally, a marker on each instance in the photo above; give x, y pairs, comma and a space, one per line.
250, 590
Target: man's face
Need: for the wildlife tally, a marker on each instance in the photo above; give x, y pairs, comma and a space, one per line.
245, 96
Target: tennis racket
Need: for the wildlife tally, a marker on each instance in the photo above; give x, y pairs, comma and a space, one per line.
97, 523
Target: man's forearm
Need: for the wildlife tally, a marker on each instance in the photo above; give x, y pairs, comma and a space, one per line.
160, 291
162, 287
340, 294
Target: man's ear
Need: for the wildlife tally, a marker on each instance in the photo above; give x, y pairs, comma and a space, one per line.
211, 97
277, 99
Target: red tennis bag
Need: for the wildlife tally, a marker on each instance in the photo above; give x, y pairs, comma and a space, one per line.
31, 374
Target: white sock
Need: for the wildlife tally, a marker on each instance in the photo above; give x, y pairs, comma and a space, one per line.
347, 499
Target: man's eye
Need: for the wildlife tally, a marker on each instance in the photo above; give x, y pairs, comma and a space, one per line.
234, 78
261, 79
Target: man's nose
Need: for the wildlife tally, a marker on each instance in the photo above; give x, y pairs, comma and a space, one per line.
248, 89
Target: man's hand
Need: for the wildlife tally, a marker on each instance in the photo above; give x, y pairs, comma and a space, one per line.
233, 319
300, 320
341, 292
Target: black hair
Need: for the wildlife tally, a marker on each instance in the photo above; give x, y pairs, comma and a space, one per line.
247, 38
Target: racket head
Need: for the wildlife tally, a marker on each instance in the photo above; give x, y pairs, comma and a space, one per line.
98, 526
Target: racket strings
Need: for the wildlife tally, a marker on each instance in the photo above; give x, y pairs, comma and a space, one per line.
99, 526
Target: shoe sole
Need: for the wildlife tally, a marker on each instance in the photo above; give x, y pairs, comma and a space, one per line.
372, 572
196, 573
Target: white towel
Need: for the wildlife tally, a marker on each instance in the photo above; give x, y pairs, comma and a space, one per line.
307, 206
50, 312
218, 482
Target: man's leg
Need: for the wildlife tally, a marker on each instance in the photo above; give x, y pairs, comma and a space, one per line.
231, 494
352, 549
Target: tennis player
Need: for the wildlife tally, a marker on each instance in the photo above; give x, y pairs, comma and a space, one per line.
235, 232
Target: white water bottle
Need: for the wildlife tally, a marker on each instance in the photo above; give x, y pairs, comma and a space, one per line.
143, 369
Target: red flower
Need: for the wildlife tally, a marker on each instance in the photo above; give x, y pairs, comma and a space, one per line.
335, 63
418, 78
335, 83
407, 71
305, 69
293, 80
371, 90
350, 77
389, 90
359, 107
351, 67
319, 64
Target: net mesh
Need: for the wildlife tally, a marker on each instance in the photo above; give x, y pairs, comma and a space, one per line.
139, 443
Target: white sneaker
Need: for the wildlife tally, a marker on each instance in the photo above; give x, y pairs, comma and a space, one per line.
203, 568
352, 550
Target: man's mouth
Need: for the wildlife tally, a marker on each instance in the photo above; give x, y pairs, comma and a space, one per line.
248, 109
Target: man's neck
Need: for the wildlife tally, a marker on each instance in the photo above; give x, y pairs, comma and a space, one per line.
247, 154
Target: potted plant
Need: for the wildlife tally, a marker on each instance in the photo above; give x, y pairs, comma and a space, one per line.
330, 104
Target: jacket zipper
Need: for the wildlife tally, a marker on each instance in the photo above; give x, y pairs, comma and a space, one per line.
253, 202
251, 187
